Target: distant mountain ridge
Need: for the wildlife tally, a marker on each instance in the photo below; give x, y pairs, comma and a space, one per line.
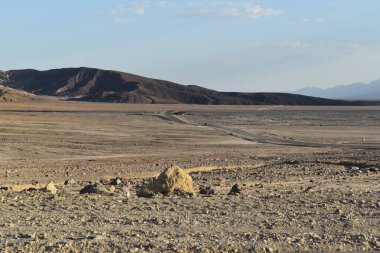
352, 91
96, 85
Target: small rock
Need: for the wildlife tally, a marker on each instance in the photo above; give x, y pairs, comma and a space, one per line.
125, 192
222, 182
28, 236
206, 191
309, 189
50, 187
235, 190
95, 189
112, 188
116, 181
44, 235
32, 189
315, 237
69, 181
99, 237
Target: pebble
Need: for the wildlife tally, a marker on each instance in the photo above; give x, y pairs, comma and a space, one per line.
69, 181
116, 181
112, 188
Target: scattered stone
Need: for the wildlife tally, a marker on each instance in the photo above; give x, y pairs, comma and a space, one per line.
309, 189
100, 237
235, 190
69, 181
5, 188
222, 182
44, 235
116, 181
28, 235
315, 237
173, 180
50, 187
31, 189
112, 188
206, 191
95, 189
125, 192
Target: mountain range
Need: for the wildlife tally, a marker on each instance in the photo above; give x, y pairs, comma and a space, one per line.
97, 85
365, 91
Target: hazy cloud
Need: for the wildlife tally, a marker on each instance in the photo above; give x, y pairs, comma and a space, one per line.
138, 8
230, 10
310, 21
122, 11
120, 20
212, 9
293, 44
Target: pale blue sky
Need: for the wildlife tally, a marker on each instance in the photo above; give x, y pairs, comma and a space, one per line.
268, 45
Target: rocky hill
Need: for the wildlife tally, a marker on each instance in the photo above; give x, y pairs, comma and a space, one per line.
96, 85
12, 95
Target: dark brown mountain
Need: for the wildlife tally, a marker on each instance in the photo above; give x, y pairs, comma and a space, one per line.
96, 85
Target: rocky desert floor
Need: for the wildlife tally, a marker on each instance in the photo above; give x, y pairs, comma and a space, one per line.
309, 178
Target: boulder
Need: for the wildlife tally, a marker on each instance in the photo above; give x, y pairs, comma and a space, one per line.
173, 180
50, 187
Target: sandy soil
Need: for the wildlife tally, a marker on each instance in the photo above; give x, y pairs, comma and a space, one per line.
310, 178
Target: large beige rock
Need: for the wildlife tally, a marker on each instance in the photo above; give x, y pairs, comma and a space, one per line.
172, 180
50, 187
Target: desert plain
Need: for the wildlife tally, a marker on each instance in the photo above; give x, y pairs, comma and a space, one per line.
309, 178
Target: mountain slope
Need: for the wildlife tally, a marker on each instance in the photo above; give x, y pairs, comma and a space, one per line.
89, 84
353, 91
12, 95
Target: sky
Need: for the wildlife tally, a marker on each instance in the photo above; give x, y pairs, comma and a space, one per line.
267, 45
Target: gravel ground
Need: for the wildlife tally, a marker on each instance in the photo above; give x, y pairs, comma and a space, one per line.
309, 178
285, 206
